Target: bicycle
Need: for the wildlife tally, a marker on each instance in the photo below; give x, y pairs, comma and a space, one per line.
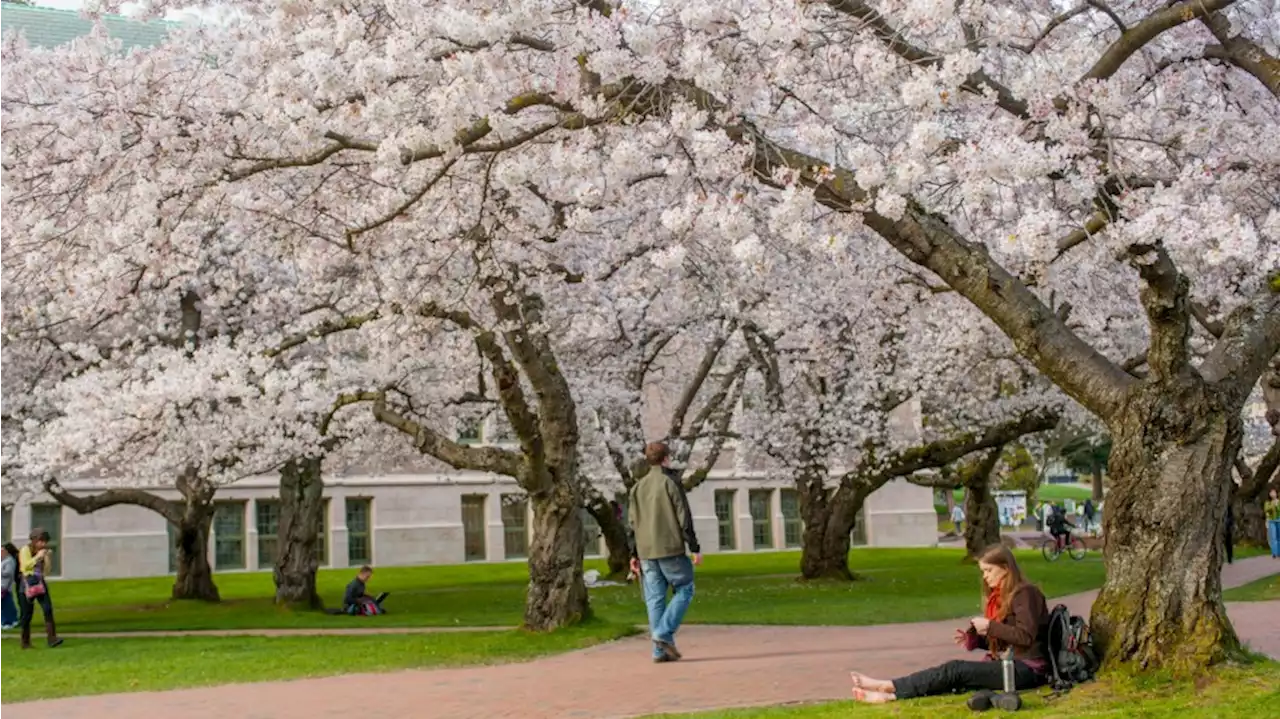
1073, 546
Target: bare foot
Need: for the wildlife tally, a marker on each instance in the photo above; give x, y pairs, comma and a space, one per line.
862, 681
867, 697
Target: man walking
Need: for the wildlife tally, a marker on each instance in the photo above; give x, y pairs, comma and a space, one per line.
661, 528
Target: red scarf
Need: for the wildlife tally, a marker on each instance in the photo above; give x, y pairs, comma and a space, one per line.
993, 605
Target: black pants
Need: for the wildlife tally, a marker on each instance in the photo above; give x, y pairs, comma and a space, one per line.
962, 676
1229, 538
27, 609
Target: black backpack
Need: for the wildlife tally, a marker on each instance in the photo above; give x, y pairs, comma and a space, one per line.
1072, 659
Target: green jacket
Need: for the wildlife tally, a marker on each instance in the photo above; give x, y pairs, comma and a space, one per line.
659, 519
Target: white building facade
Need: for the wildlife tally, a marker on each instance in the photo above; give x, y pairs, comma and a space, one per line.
441, 518
431, 519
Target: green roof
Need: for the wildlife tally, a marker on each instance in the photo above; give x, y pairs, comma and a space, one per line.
50, 27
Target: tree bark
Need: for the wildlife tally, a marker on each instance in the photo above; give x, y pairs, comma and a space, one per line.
191, 519
1255, 484
614, 531
825, 554
1251, 522
982, 516
301, 510
1097, 483
828, 522
194, 579
1161, 605
557, 595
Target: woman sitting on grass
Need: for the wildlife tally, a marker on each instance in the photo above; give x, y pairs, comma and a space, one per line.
1015, 618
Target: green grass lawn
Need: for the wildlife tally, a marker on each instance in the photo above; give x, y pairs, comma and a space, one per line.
97, 666
1053, 492
1263, 590
1252, 690
898, 585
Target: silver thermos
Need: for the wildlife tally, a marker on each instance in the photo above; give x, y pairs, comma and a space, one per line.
1006, 666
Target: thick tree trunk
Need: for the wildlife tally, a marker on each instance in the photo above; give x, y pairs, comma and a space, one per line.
1097, 484
1251, 522
301, 508
194, 579
1161, 605
828, 523
614, 531
982, 517
557, 595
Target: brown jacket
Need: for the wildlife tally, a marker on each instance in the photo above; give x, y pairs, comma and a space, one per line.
1023, 629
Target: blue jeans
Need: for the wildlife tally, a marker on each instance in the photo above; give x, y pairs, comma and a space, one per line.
8, 612
1273, 536
656, 575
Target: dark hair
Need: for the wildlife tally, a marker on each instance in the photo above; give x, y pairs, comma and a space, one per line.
12, 550
655, 453
38, 534
365, 569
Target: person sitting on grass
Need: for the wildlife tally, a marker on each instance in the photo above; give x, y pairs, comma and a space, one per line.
1016, 618
356, 600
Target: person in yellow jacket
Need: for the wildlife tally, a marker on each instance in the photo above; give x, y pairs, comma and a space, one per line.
1272, 509
35, 561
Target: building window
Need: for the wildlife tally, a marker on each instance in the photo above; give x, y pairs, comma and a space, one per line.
322, 538
49, 518
268, 523
473, 527
761, 518
590, 534
515, 526
6, 525
792, 526
359, 548
725, 518
470, 431
228, 535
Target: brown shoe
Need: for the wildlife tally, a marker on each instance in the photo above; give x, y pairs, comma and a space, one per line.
51, 632
668, 649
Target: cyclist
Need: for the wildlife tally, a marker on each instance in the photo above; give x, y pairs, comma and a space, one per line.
1058, 526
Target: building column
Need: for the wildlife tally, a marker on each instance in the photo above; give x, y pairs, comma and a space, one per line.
494, 546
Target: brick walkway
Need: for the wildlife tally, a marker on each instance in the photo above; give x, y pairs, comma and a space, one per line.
725, 667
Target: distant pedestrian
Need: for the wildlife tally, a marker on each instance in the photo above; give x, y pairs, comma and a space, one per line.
8, 580
1272, 510
35, 562
1088, 512
661, 529
957, 518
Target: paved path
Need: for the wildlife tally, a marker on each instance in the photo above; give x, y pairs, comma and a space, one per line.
724, 667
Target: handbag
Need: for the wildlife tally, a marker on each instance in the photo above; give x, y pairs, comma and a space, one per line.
35, 586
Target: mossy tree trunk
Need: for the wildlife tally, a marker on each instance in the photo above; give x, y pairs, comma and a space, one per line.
1170, 469
301, 518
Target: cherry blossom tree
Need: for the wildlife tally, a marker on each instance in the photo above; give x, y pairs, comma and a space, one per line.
942, 139
673, 355
1106, 154
830, 378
